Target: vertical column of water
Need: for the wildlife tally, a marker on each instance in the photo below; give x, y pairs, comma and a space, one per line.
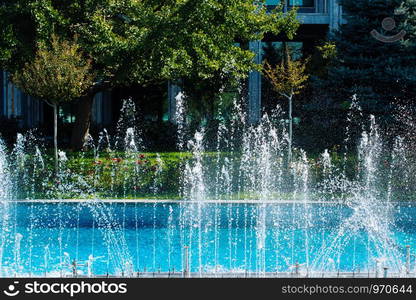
102, 220
156, 189
235, 183
103, 145
128, 134
236, 238
196, 193
301, 169
38, 173
370, 221
22, 187
338, 185
246, 243
263, 187
136, 227
130, 155
327, 188
154, 238
171, 231
375, 211
16, 252
30, 177
5, 197
230, 217
400, 179
128, 141
235, 175
227, 185
247, 186
90, 148
399, 168
20, 156
261, 166
60, 175
343, 183
118, 255
238, 141
117, 251
367, 200
221, 144
279, 150
128, 130
180, 120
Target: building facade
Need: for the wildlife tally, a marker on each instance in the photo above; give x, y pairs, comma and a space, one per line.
315, 16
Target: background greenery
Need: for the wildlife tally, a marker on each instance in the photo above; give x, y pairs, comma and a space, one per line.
158, 176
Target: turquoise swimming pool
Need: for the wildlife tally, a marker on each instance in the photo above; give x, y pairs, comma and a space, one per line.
97, 239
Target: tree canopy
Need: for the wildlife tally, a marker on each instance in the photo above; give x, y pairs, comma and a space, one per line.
287, 78
141, 41
379, 73
57, 74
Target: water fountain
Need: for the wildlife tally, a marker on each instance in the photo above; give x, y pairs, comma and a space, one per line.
245, 209
5, 194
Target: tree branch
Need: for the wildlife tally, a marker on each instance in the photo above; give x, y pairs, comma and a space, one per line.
49, 103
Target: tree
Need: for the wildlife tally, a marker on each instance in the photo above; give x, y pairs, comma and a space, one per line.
288, 79
379, 73
59, 73
109, 32
142, 42
322, 59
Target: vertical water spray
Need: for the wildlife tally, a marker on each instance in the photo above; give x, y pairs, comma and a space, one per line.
300, 168
180, 119
371, 211
5, 197
195, 192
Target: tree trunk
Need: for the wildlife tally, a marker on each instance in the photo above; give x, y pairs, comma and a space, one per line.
55, 134
82, 122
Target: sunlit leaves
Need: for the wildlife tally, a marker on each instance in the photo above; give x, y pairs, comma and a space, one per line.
287, 78
139, 41
57, 74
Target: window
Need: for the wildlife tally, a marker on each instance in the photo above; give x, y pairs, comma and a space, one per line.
273, 2
273, 50
302, 3
297, 3
66, 113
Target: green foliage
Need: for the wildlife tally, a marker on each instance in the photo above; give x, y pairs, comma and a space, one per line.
322, 59
379, 73
57, 74
288, 77
132, 41
134, 177
205, 36
158, 176
328, 50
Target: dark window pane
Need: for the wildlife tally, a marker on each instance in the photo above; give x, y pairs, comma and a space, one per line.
273, 2
302, 3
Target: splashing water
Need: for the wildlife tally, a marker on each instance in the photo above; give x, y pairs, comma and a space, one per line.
245, 208
5, 196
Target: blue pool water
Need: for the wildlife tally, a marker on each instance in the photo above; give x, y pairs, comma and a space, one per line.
118, 238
